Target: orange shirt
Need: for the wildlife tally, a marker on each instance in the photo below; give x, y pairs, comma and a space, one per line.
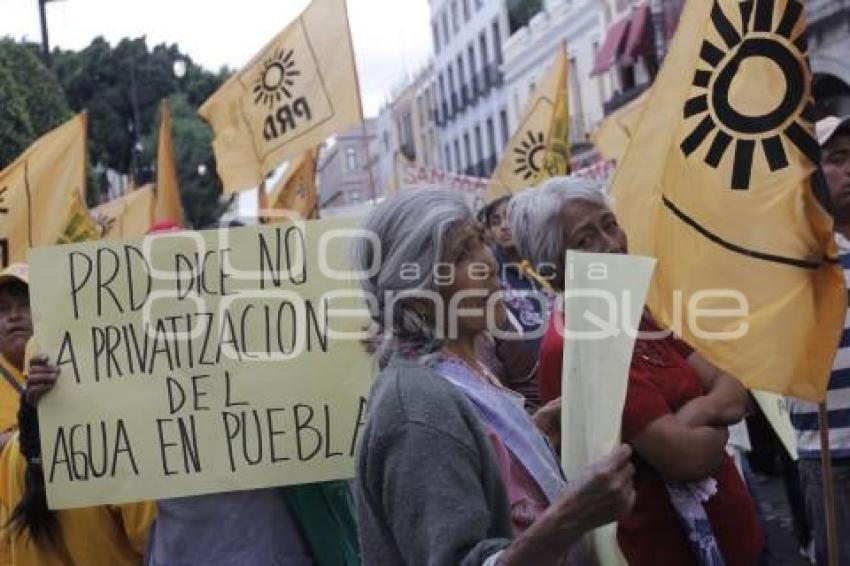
105, 535
9, 397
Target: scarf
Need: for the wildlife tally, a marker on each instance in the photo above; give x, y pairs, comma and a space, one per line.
324, 512
503, 412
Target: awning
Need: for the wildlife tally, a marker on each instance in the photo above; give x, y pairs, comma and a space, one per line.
612, 47
640, 42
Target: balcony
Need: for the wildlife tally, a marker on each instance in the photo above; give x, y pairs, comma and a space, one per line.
493, 76
439, 119
466, 96
621, 99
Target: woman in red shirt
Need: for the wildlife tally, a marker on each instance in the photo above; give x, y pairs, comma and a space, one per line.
678, 406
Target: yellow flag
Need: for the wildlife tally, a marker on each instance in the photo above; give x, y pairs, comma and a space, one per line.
613, 135
79, 226
718, 185
127, 217
35, 190
300, 89
167, 204
540, 147
297, 191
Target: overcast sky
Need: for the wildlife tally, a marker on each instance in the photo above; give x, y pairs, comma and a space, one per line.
391, 37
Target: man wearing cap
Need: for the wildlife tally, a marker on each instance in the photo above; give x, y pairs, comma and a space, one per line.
15, 331
834, 137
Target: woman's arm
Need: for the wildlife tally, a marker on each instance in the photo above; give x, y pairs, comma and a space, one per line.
679, 452
602, 494
725, 403
438, 510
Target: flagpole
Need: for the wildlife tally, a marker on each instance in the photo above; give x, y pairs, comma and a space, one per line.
828, 487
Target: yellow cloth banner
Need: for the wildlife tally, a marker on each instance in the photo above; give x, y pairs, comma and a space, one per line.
200, 362
718, 184
296, 192
299, 90
35, 190
126, 217
539, 149
613, 135
167, 205
79, 226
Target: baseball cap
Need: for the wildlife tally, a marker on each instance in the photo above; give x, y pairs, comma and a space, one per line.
15, 272
827, 128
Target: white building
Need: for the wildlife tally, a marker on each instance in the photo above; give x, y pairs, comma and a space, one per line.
613, 50
471, 105
530, 52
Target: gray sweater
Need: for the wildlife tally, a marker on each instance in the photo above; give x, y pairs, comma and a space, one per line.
428, 488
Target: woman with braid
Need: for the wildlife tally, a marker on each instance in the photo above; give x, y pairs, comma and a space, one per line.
32, 534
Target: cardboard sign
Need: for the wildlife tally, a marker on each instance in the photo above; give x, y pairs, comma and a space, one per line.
200, 362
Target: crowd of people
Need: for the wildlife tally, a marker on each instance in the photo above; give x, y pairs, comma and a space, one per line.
458, 461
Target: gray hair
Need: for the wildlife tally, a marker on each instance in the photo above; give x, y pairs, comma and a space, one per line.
534, 217
409, 232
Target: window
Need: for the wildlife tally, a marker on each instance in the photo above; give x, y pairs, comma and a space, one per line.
497, 42
424, 145
442, 87
470, 56
461, 76
467, 150
446, 36
506, 136
354, 196
466, 13
386, 141
435, 32
491, 143
479, 151
458, 161
455, 17
576, 102
452, 90
479, 4
520, 13
447, 153
482, 47
350, 159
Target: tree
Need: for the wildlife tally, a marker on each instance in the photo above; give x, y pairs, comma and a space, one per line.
43, 95
15, 126
192, 140
122, 88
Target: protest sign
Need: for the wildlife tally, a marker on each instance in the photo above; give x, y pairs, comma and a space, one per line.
200, 362
602, 310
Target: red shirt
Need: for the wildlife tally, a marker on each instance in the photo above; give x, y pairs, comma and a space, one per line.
660, 382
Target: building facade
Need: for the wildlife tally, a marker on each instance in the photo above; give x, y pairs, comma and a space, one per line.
530, 52
347, 172
470, 103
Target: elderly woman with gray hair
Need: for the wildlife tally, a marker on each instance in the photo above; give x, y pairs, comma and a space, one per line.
692, 506
451, 469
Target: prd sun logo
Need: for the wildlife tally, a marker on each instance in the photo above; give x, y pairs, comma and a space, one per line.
755, 116
529, 155
275, 81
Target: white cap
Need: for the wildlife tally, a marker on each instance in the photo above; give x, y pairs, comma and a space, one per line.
827, 127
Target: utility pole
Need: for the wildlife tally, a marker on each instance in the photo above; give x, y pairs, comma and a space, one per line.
45, 41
